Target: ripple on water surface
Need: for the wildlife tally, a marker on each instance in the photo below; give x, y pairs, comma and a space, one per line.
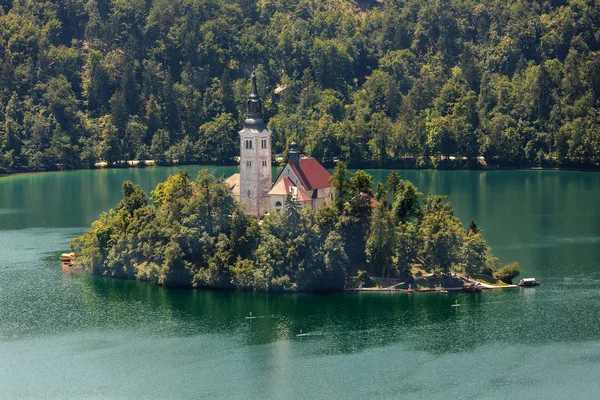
123, 339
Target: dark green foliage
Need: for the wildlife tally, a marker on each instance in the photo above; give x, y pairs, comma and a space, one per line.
508, 272
414, 84
195, 235
365, 280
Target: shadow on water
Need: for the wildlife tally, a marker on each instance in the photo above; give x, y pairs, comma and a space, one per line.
548, 221
339, 323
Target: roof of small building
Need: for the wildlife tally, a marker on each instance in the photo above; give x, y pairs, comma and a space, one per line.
282, 188
312, 174
233, 182
372, 200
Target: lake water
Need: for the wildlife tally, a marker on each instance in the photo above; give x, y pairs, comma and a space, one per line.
77, 336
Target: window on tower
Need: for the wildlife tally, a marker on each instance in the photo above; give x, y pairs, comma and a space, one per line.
248, 144
263, 143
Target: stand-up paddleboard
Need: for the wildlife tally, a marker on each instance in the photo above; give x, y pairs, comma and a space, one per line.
302, 334
456, 304
250, 317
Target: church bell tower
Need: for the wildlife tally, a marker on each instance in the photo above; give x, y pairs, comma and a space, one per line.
255, 158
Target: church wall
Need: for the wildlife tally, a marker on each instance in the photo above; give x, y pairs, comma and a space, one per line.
288, 171
255, 171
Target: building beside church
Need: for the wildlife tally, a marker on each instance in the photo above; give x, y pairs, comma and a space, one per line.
303, 179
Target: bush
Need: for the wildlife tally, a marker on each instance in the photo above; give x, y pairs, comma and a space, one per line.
282, 284
366, 280
508, 272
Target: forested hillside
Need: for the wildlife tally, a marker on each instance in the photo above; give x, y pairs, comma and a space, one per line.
411, 83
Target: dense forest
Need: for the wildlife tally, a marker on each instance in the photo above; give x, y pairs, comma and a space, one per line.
406, 83
194, 234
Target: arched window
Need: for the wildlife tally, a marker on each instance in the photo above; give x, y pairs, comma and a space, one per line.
278, 204
248, 194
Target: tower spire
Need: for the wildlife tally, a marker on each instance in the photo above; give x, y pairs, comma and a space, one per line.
254, 92
254, 118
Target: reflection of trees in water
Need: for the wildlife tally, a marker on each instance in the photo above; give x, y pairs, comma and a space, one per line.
339, 323
335, 323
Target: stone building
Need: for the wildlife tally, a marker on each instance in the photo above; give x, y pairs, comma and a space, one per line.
303, 179
251, 186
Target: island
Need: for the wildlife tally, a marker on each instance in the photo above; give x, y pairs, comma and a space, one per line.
195, 234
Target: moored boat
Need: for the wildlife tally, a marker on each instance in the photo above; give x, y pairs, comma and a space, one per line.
67, 257
528, 282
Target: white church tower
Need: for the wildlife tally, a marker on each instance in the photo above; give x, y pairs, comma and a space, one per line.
255, 158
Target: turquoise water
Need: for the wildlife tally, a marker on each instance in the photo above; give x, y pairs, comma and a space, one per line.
71, 335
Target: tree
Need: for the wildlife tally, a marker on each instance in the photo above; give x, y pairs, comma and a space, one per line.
381, 242
335, 261
441, 234
340, 184
134, 198
508, 272
406, 251
406, 202
361, 183
474, 254
110, 145
217, 138
543, 93
393, 180
160, 144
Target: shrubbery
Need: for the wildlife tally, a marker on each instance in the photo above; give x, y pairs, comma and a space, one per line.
508, 272
194, 234
412, 83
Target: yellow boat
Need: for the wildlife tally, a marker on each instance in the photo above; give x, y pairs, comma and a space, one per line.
67, 257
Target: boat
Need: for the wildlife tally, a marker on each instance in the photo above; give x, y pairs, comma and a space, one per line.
528, 282
410, 289
67, 257
443, 291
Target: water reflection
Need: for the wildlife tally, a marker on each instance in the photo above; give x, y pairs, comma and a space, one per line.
548, 221
336, 323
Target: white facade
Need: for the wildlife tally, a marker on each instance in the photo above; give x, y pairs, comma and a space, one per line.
255, 170
255, 158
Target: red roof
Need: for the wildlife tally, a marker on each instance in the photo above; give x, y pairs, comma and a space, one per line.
283, 189
312, 174
372, 200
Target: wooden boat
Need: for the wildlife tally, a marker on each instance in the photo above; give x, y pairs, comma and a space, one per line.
67, 257
528, 282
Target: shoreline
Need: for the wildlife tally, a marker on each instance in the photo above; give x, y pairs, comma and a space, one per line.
435, 290
431, 284
328, 165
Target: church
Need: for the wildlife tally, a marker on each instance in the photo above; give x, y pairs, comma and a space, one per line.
304, 179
